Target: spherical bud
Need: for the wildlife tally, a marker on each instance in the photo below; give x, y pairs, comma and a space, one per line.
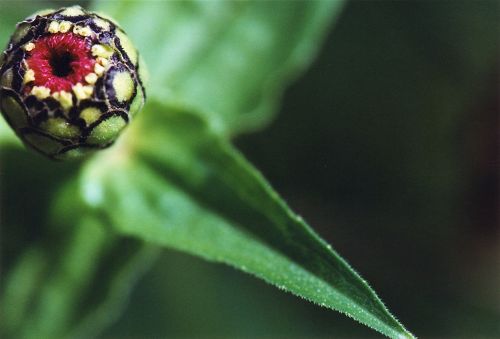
70, 82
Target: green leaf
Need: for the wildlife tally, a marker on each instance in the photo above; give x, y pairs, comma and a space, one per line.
230, 60
181, 185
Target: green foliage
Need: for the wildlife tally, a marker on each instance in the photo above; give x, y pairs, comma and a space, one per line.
175, 180
199, 195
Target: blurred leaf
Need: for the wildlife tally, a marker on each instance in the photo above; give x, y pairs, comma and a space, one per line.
7, 136
63, 271
73, 282
182, 186
230, 59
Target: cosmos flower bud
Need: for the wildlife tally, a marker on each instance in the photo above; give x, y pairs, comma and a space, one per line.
70, 81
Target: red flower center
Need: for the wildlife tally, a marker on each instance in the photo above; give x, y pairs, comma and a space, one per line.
60, 61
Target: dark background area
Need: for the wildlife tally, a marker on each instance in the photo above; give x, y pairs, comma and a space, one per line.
388, 146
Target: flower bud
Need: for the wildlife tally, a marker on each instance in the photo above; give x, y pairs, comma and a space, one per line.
70, 82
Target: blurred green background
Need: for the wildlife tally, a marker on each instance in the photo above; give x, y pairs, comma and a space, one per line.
388, 146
